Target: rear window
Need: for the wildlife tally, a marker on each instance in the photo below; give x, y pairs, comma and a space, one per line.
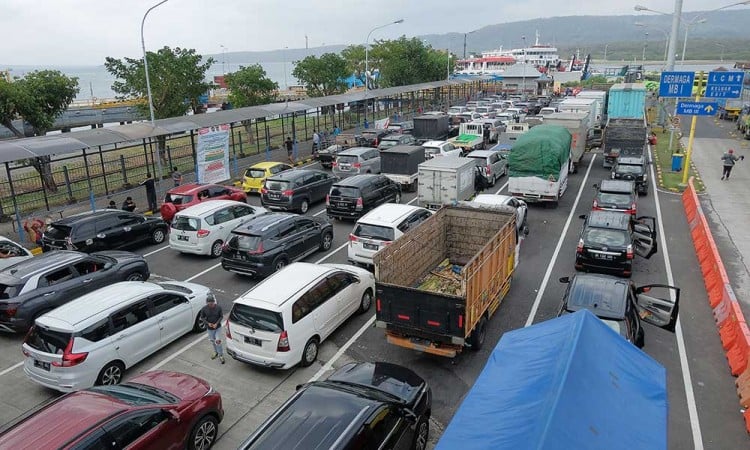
255, 173
378, 232
479, 158
428, 151
618, 199
57, 231
627, 168
178, 199
388, 143
184, 223
344, 191
606, 237
347, 159
257, 318
244, 242
277, 185
48, 341
10, 290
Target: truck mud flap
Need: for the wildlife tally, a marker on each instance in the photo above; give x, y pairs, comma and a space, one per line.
422, 345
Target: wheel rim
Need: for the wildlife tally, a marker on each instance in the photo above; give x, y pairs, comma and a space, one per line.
280, 264
202, 324
112, 375
303, 207
366, 301
311, 352
158, 236
216, 249
327, 241
205, 435
136, 276
421, 436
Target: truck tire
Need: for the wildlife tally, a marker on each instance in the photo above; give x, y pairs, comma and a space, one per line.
476, 340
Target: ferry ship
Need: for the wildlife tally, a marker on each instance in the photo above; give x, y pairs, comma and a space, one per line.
496, 61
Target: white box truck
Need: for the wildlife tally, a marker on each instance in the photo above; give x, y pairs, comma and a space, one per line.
539, 165
601, 99
582, 105
576, 124
445, 181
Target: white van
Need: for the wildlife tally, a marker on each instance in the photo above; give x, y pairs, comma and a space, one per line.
203, 229
94, 338
282, 320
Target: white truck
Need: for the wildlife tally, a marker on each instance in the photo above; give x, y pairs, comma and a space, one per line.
582, 105
576, 124
601, 100
445, 181
470, 137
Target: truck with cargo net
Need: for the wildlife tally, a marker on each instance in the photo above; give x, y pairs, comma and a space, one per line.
439, 284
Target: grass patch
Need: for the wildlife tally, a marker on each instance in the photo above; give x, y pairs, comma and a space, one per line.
667, 179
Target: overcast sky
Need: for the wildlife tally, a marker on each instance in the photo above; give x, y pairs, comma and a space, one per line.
84, 32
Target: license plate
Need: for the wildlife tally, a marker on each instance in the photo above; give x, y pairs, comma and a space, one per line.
182, 238
345, 168
342, 204
370, 246
253, 341
604, 257
239, 255
41, 364
275, 196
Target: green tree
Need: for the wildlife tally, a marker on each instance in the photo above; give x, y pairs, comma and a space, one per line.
408, 61
249, 86
322, 75
355, 60
39, 98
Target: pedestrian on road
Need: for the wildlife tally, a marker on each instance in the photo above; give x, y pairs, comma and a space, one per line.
289, 149
176, 176
128, 204
213, 314
150, 191
729, 159
316, 142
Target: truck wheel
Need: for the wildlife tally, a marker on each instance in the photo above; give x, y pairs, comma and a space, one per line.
480, 333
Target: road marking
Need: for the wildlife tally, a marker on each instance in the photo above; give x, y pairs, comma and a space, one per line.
203, 272
11, 368
179, 352
502, 187
320, 212
687, 379
328, 255
327, 366
545, 280
156, 251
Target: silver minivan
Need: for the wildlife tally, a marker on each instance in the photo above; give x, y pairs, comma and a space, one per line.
491, 162
356, 161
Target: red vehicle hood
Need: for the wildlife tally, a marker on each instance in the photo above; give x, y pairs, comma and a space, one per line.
183, 386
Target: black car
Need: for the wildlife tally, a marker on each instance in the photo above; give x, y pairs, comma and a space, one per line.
354, 196
296, 190
615, 195
360, 406
371, 137
621, 304
609, 240
40, 284
267, 243
107, 229
632, 168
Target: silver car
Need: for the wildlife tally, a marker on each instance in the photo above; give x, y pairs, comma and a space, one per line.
492, 163
393, 140
356, 161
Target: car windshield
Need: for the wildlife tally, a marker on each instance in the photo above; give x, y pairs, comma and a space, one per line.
455, 110
256, 318
136, 394
618, 325
606, 237
387, 143
431, 151
176, 287
347, 159
47, 341
178, 199
245, 242
255, 173
612, 198
184, 223
376, 232
628, 168
277, 185
344, 191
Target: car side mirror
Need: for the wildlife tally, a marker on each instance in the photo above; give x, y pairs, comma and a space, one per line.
596, 186
172, 414
564, 279
582, 216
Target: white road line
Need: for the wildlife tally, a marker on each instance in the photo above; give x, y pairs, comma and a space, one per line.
11, 368
331, 253
174, 355
156, 251
545, 280
320, 212
203, 272
502, 187
327, 366
687, 379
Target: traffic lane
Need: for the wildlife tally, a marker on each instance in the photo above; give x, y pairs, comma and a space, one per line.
450, 379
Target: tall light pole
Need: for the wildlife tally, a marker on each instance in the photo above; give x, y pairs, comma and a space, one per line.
606, 46
148, 92
367, 55
466, 34
695, 21
286, 85
723, 47
223, 59
666, 37
645, 44
523, 82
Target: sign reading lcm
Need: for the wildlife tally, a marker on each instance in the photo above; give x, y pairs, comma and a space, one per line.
724, 84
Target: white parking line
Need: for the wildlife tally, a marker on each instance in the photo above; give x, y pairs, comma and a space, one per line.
174, 355
11, 368
320, 212
545, 280
203, 272
327, 366
156, 251
501, 188
687, 380
331, 253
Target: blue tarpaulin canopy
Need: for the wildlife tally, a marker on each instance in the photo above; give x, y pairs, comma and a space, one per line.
567, 383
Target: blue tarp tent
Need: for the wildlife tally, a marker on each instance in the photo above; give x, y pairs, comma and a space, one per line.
567, 383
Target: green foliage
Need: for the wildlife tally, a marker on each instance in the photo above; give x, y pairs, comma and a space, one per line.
408, 61
596, 79
9, 97
249, 86
355, 60
175, 74
322, 75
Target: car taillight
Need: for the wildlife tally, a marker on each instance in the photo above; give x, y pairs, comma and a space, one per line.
377, 141
357, 165
353, 238
334, 164
258, 250
328, 200
203, 233
632, 208
579, 248
489, 169
283, 345
70, 359
629, 254
263, 190
360, 204
287, 193
596, 204
386, 242
228, 332
11, 310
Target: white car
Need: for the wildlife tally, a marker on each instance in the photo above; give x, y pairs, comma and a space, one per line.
93, 339
456, 110
506, 200
282, 321
12, 253
203, 229
380, 227
433, 149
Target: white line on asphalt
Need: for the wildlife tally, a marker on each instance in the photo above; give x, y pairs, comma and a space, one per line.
545, 280
327, 366
174, 355
203, 272
320, 212
11, 368
687, 379
156, 251
501, 188
329, 254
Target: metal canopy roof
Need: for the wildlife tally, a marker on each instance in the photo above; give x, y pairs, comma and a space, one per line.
57, 144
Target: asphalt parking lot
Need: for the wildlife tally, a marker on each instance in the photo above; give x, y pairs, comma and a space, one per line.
703, 411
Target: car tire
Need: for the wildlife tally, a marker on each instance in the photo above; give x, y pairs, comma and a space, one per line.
397, 198
479, 335
304, 206
365, 303
204, 433
135, 276
310, 352
326, 241
494, 180
421, 434
200, 324
279, 264
158, 236
216, 247
111, 374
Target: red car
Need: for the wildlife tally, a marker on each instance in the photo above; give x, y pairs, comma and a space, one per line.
155, 410
191, 194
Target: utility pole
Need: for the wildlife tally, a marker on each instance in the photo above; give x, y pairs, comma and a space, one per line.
673, 35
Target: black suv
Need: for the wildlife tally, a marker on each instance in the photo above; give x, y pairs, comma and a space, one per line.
371, 137
621, 304
354, 196
267, 243
40, 284
615, 195
106, 229
632, 168
610, 239
296, 190
360, 406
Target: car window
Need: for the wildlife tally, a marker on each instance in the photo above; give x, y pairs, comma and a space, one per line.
245, 242
178, 199
97, 331
129, 219
56, 277
339, 281
164, 302
127, 430
311, 300
251, 317
222, 215
11, 249
379, 428
607, 237
97, 440
184, 223
55, 231
424, 215
347, 159
129, 316
256, 173
241, 211
277, 185
607, 197
88, 266
217, 191
378, 232
285, 229
344, 191
48, 341
320, 177
372, 154
304, 224
276, 169
85, 230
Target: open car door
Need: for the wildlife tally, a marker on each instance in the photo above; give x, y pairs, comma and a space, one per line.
661, 311
644, 235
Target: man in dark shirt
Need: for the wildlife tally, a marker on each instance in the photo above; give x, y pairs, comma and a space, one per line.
150, 192
213, 314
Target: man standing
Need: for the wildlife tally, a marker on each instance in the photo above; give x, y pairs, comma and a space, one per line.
289, 149
316, 142
176, 176
729, 159
150, 192
213, 314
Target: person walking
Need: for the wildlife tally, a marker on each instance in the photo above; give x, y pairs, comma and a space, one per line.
150, 185
729, 159
289, 149
176, 176
213, 315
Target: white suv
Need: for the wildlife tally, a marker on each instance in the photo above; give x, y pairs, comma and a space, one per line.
440, 148
282, 321
94, 338
380, 227
204, 228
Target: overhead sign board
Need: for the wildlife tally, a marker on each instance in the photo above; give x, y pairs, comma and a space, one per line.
724, 84
697, 108
676, 84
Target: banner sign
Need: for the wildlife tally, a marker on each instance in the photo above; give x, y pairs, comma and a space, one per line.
213, 154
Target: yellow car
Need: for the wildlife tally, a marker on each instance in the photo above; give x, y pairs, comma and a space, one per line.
256, 175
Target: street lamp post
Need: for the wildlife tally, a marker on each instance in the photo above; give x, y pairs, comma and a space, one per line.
223, 59
523, 77
723, 47
286, 85
666, 37
367, 54
606, 46
696, 20
645, 44
466, 34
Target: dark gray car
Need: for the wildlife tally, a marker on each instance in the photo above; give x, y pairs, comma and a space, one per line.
296, 190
